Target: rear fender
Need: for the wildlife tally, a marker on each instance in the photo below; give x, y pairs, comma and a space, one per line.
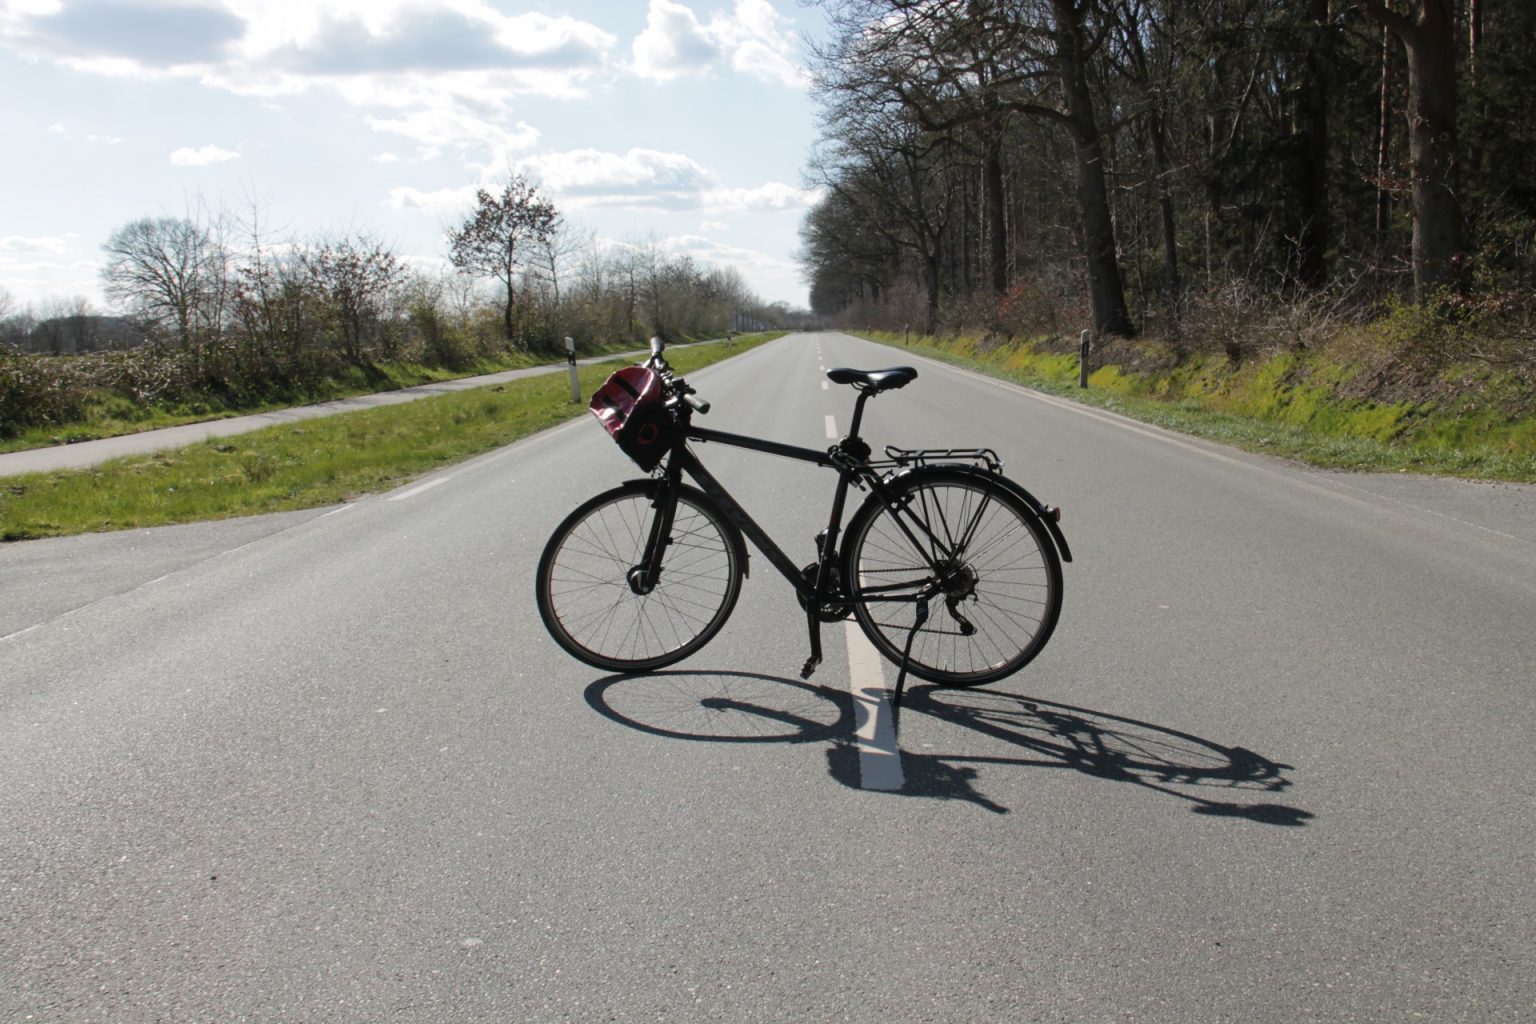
1047, 515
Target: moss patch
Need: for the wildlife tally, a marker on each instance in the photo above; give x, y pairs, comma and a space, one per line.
1379, 398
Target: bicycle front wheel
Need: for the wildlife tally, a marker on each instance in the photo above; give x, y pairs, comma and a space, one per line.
980, 557
584, 592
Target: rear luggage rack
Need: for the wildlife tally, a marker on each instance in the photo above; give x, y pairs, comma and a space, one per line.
924, 456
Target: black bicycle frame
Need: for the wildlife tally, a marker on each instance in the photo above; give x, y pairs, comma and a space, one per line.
684, 461
813, 593
849, 457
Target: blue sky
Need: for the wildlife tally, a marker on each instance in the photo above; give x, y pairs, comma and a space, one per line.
679, 122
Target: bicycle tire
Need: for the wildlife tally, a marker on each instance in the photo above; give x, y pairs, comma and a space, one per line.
583, 589
1002, 568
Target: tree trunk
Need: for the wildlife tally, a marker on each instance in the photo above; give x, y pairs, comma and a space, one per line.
997, 224
1312, 245
1430, 43
1171, 282
1384, 145
1432, 102
931, 260
1474, 34
1105, 287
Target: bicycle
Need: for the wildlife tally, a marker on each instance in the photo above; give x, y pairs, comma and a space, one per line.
951, 569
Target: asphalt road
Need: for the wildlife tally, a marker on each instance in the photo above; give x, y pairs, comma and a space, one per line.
1275, 764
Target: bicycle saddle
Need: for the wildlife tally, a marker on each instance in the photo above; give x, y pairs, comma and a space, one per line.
875, 380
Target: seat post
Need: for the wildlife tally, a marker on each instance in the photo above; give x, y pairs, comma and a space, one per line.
858, 410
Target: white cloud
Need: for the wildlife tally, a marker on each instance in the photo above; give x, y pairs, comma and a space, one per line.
201, 157
39, 269
56, 245
772, 196
398, 53
142, 34
673, 43
59, 131
439, 127
401, 54
754, 264
760, 44
443, 200
753, 39
639, 178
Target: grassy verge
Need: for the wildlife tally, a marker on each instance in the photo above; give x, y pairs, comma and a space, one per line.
307, 464
112, 415
1271, 408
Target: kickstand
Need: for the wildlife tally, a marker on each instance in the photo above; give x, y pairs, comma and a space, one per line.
906, 655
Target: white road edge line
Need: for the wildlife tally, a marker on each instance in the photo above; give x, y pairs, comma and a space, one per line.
874, 721
831, 428
417, 490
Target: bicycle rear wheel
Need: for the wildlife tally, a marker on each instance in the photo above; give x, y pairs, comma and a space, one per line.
583, 585
981, 557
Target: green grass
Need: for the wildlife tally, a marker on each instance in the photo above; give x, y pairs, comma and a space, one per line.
308, 464
111, 415
1267, 408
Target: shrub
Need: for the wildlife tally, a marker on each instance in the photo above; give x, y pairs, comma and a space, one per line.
38, 391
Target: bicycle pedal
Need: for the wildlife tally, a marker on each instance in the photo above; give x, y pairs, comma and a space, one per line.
810, 666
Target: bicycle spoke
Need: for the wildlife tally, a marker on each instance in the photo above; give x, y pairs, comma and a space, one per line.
584, 583
978, 555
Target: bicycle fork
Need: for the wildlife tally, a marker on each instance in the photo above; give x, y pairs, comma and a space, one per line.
643, 577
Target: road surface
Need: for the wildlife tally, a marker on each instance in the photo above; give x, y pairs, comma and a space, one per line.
1274, 766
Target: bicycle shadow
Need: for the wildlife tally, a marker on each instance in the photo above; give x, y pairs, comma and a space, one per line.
1095, 743
723, 707
748, 707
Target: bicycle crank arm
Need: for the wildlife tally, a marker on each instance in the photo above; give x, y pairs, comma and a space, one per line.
814, 625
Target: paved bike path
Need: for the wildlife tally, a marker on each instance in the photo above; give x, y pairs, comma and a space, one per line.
90, 453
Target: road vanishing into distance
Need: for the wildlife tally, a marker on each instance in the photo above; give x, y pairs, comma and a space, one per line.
1276, 765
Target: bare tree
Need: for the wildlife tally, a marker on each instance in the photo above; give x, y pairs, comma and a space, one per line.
270, 301
354, 279
950, 65
16, 325
168, 271
502, 236
554, 255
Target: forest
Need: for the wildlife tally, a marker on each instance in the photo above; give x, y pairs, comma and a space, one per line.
1194, 171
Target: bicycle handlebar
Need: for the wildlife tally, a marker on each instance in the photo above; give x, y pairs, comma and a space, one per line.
674, 384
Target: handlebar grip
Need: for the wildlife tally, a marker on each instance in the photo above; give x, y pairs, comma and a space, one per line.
699, 404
